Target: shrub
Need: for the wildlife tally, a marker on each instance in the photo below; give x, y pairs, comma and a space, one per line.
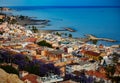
10, 69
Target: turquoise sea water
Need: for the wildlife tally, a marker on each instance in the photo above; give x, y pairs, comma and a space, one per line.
99, 21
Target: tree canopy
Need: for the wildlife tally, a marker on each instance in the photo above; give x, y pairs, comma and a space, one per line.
9, 69
35, 66
44, 43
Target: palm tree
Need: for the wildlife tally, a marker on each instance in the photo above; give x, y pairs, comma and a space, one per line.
34, 29
1, 9
70, 35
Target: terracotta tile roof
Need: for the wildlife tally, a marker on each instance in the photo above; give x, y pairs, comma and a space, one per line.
117, 70
77, 73
97, 74
31, 39
31, 46
43, 60
84, 59
92, 53
30, 77
117, 73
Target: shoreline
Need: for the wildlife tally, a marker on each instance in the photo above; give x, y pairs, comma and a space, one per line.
25, 20
34, 22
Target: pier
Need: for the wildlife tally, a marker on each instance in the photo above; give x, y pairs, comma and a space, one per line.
69, 29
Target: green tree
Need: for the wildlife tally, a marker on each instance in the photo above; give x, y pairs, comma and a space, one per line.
34, 29
110, 70
32, 68
94, 41
65, 34
44, 43
29, 27
1, 20
1, 9
10, 69
1, 32
70, 35
100, 58
115, 58
13, 21
58, 34
8, 20
21, 17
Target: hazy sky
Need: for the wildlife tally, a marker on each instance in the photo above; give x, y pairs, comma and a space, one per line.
59, 2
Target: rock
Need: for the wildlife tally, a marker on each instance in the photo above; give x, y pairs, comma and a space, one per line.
8, 78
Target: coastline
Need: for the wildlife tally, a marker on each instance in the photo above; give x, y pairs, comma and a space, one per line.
30, 21
81, 33
46, 54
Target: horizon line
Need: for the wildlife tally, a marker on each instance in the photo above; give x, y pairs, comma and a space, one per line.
62, 6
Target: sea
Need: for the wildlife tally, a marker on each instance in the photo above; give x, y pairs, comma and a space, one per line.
101, 21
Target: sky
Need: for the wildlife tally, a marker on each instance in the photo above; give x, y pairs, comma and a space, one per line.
59, 2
